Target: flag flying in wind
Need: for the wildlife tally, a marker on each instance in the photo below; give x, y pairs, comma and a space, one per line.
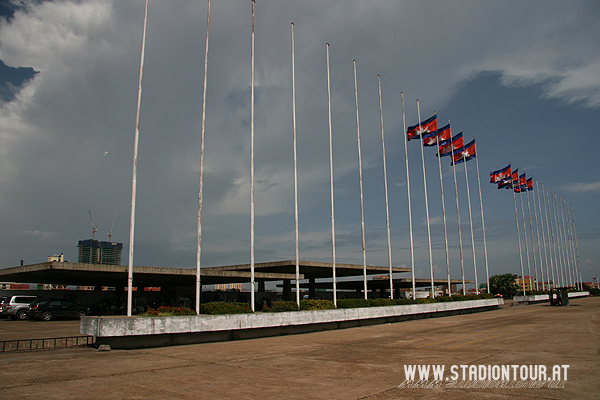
465, 153
442, 136
521, 184
500, 175
457, 143
530, 184
508, 182
427, 126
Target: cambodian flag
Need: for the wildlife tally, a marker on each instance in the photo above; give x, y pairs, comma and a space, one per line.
443, 136
427, 126
508, 182
457, 143
500, 175
465, 153
530, 184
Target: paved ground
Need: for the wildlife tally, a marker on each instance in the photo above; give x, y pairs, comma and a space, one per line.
365, 363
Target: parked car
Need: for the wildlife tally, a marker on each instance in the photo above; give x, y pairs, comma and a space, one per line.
16, 307
48, 309
2, 300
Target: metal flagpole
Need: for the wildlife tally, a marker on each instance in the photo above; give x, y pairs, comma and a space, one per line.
252, 171
525, 235
552, 243
572, 236
462, 259
472, 234
487, 270
532, 241
566, 240
576, 247
444, 214
295, 172
570, 243
387, 207
519, 233
362, 209
559, 260
426, 202
410, 225
134, 174
199, 244
331, 180
537, 228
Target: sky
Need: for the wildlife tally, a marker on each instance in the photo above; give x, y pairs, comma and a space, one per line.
523, 78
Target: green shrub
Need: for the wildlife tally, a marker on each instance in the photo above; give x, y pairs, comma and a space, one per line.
353, 303
219, 308
444, 299
316, 304
382, 302
282, 306
402, 302
426, 301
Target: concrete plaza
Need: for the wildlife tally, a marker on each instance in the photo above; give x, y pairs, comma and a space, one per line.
365, 362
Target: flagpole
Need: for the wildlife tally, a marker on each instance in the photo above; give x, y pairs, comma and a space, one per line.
200, 191
519, 233
462, 259
572, 246
387, 206
444, 214
532, 240
576, 247
525, 233
553, 258
537, 228
410, 225
362, 208
426, 203
134, 174
472, 234
252, 171
487, 270
295, 172
331, 181
557, 243
566, 241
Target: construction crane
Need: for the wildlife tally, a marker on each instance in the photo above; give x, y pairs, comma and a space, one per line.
109, 234
94, 228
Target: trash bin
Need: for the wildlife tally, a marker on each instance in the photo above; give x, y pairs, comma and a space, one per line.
564, 296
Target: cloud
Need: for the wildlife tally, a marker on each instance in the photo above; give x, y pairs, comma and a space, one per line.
581, 187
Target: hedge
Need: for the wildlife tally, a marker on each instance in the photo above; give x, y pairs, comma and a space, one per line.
219, 308
316, 304
281, 306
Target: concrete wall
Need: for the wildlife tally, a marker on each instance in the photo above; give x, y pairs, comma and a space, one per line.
131, 332
545, 297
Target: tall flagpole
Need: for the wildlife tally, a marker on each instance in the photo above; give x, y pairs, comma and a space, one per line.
542, 216
472, 234
460, 243
134, 174
571, 245
518, 233
426, 203
331, 180
537, 228
410, 225
532, 241
387, 206
576, 248
525, 235
487, 270
199, 244
559, 260
252, 172
295, 172
444, 214
552, 243
566, 240
362, 208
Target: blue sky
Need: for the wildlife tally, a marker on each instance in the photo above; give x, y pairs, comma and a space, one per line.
521, 78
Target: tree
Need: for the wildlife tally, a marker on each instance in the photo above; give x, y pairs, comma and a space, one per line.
504, 285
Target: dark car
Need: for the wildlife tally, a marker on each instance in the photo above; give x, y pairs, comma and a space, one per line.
48, 309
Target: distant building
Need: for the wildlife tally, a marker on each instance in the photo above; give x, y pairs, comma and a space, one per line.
56, 257
529, 282
96, 252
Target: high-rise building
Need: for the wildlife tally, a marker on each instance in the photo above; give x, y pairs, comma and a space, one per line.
96, 252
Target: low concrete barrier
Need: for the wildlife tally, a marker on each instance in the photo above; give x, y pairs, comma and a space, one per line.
137, 332
545, 297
